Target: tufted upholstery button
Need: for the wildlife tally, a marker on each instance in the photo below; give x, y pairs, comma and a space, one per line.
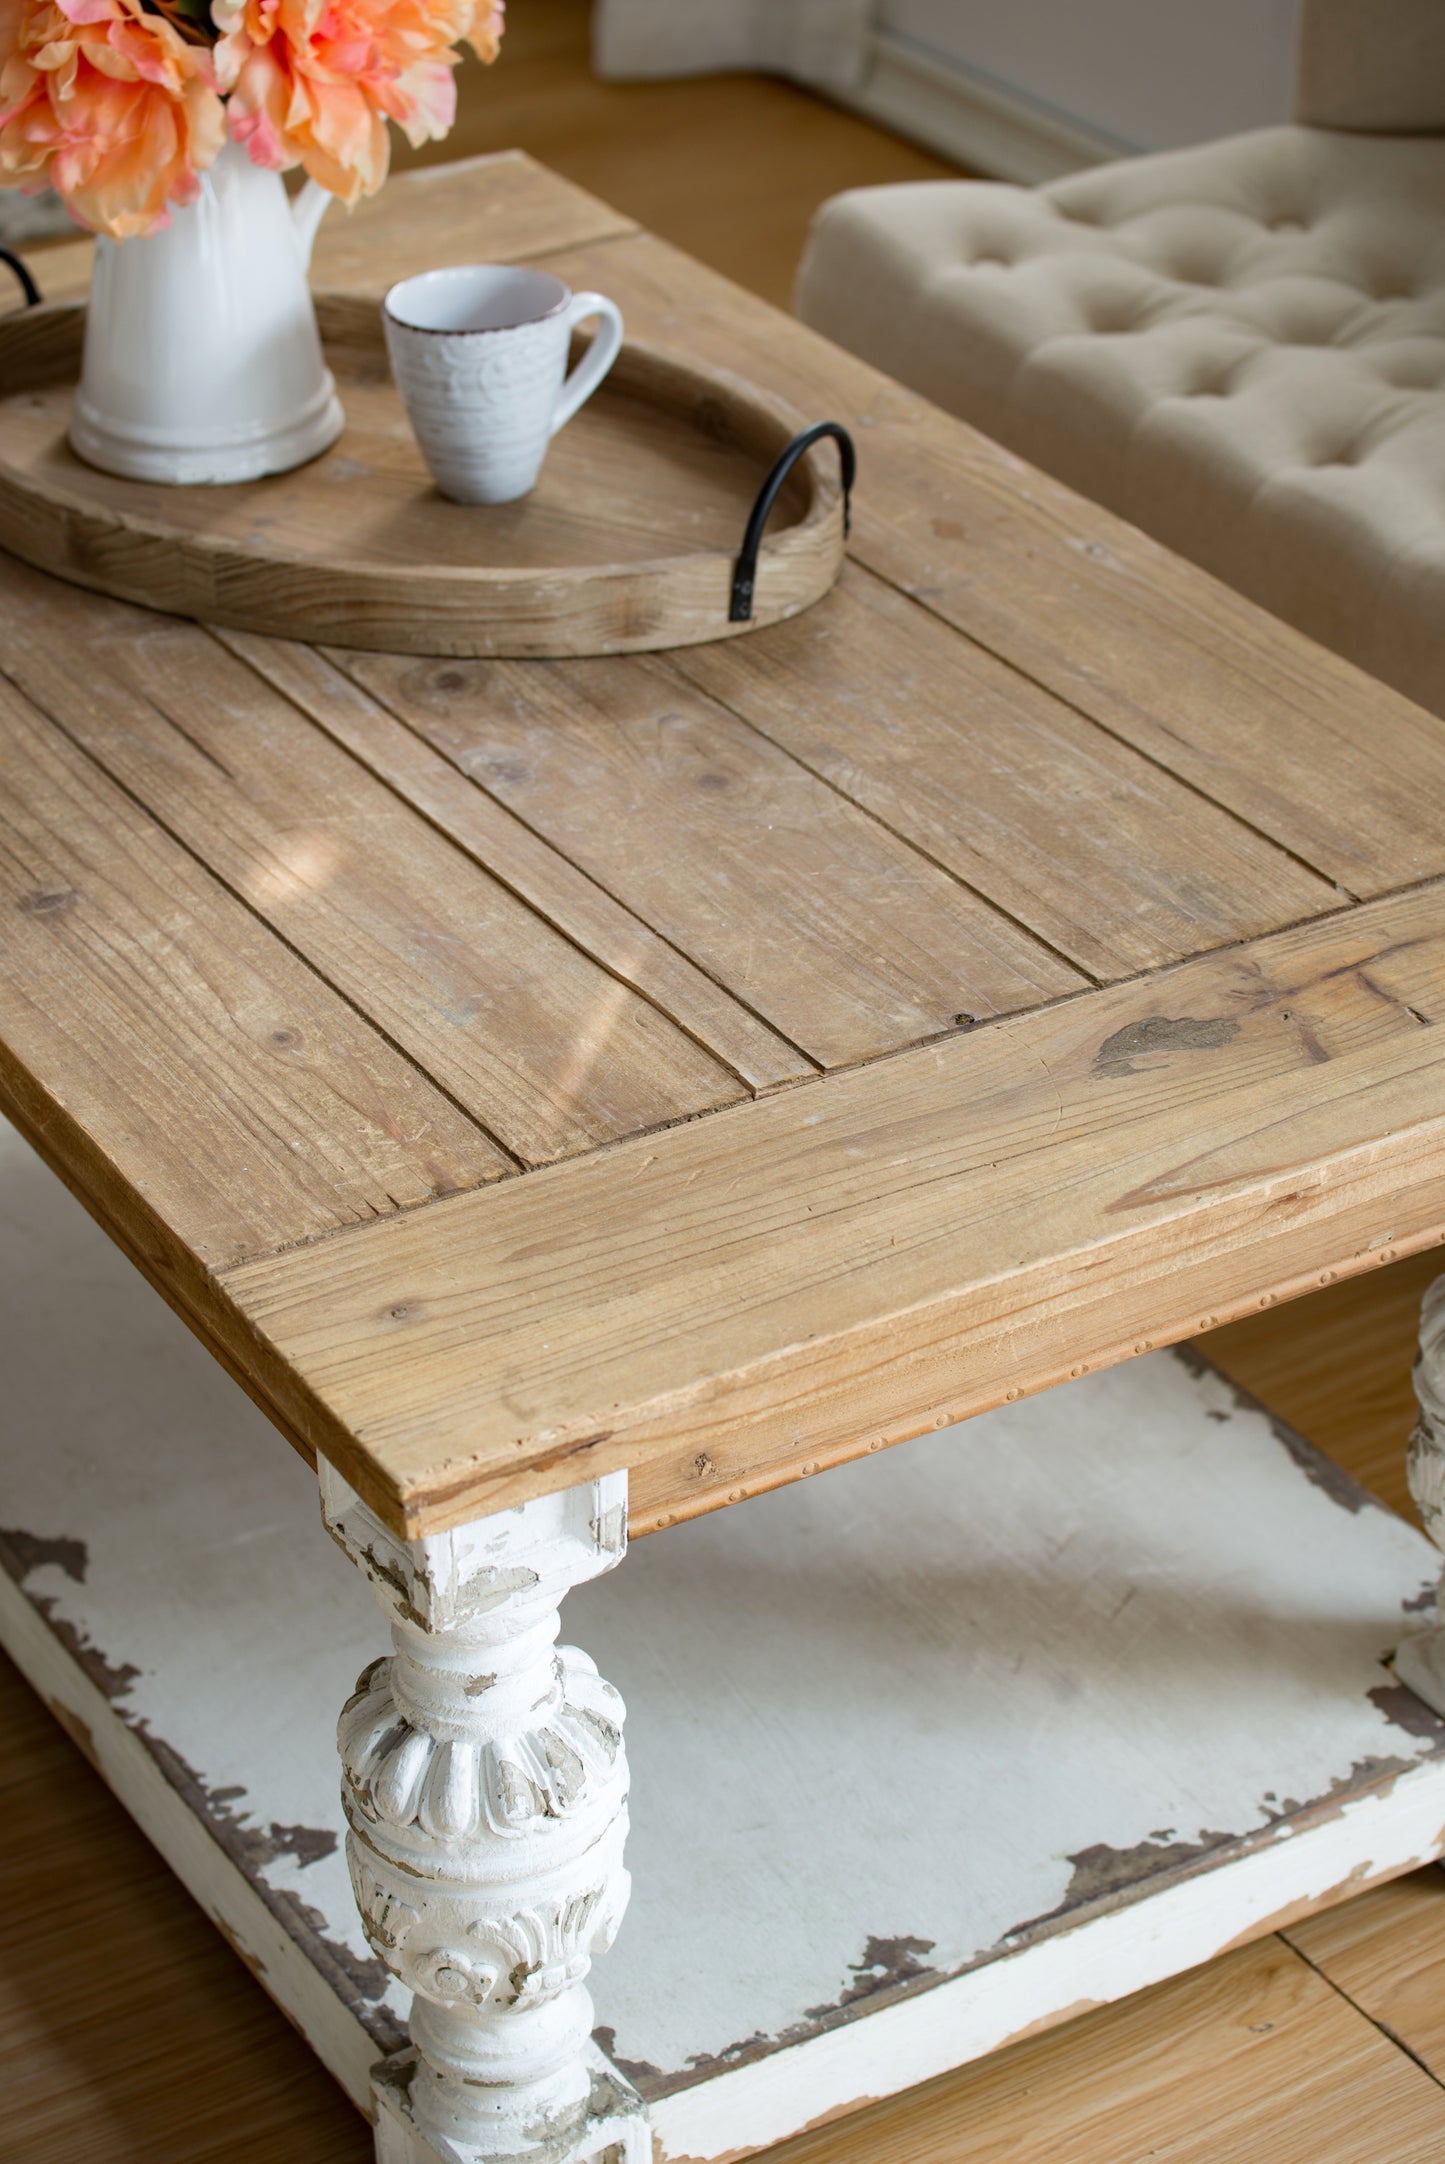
1239, 346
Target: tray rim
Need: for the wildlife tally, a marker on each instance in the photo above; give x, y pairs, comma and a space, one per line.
60, 530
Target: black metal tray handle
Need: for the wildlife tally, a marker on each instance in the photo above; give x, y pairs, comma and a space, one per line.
740, 608
27, 284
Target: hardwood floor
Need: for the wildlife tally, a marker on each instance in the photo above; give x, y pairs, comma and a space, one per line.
729, 167
129, 2033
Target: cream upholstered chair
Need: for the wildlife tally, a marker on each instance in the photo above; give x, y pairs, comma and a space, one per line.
1240, 347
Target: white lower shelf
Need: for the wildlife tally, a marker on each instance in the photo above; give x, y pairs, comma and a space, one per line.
928, 1753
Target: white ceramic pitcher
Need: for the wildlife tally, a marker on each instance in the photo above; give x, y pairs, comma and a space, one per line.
202, 359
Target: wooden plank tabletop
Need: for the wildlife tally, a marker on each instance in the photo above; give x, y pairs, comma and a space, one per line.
720, 1064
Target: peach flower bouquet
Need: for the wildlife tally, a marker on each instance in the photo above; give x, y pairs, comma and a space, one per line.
122, 105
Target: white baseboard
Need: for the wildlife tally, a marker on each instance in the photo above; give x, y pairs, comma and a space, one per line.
973, 119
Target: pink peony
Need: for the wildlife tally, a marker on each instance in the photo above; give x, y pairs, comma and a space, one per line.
109, 105
314, 82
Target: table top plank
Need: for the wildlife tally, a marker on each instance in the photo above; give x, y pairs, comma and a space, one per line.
529, 1036
543, 878
1333, 765
1103, 853
803, 1277
846, 938
201, 1086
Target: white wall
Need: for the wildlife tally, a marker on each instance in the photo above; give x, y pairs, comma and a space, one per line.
1146, 74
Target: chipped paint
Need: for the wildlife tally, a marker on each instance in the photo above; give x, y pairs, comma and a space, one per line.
1321, 1472
360, 1984
848, 1644
1101, 1874
637, 2071
887, 1969
22, 1552
1104, 1876
1401, 1707
887, 1965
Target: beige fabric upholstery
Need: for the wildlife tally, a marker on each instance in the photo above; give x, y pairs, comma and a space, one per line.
1239, 347
1375, 64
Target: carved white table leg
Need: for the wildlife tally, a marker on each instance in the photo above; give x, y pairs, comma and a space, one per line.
485, 1786
1420, 1661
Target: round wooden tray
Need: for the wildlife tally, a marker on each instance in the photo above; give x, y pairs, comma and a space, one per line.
629, 541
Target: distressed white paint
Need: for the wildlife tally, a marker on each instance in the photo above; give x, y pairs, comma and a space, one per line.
167, 1819
615, 2129
196, 1523
1111, 1613
485, 1786
1120, 1952
893, 1702
1420, 1661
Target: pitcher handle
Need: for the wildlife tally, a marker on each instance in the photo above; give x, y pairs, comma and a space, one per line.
598, 358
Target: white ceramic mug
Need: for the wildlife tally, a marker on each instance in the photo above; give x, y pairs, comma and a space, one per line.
479, 354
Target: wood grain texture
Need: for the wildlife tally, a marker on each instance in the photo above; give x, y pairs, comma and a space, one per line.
1302, 745
846, 940
1254, 2056
1100, 851
534, 1040
188, 2062
539, 874
736, 1353
1340, 1370
1386, 1953
730, 169
203, 1085
628, 542
460, 209
811, 1276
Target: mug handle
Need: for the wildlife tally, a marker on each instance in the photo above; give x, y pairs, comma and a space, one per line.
600, 355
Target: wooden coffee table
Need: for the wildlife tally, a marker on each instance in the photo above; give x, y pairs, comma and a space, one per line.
571, 1098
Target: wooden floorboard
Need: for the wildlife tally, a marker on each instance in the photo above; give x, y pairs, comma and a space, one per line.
1386, 1952
129, 2034
731, 168
1255, 2056
129, 2031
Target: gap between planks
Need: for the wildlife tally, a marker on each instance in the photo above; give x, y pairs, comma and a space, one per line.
761, 1057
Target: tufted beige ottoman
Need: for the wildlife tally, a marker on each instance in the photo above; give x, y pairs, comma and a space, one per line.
1240, 347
